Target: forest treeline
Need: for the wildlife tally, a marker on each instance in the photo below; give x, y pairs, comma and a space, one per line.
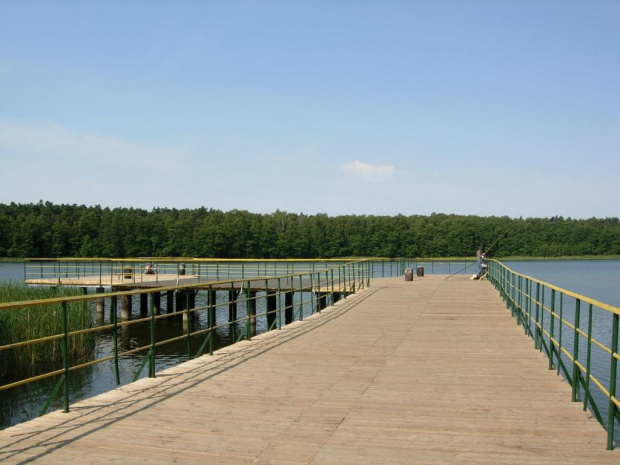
48, 230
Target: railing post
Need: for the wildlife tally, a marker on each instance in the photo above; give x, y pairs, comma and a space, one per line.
551, 330
612, 383
188, 328
588, 359
115, 338
528, 305
211, 317
541, 334
279, 305
513, 295
301, 301
520, 301
232, 311
576, 371
248, 311
65, 355
312, 300
320, 294
152, 357
560, 331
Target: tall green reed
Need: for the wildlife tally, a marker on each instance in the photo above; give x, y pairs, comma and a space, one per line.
33, 322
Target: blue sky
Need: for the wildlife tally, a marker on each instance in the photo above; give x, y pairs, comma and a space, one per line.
340, 107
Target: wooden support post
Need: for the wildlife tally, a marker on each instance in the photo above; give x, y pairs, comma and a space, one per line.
179, 301
252, 315
212, 297
272, 308
192, 300
212, 301
144, 304
156, 303
125, 340
288, 308
232, 313
126, 307
232, 305
169, 301
100, 306
185, 301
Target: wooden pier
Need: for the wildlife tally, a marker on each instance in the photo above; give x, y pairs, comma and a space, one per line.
432, 370
144, 281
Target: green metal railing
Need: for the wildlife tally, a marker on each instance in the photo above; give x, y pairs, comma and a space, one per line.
393, 267
110, 272
285, 298
569, 328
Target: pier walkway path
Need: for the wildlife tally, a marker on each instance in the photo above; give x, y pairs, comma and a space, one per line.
430, 371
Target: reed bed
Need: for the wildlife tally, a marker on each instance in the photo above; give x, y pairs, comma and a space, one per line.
18, 325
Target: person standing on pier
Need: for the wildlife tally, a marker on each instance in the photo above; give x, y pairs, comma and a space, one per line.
479, 262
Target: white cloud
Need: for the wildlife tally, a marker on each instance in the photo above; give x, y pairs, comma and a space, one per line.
369, 172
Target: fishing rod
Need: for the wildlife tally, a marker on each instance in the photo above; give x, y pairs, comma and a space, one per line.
460, 271
496, 240
486, 252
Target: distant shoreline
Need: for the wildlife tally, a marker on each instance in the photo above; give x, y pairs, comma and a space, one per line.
509, 258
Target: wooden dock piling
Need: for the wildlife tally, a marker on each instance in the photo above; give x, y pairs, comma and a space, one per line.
144, 304
126, 307
170, 296
232, 305
156, 303
252, 315
100, 306
288, 307
272, 309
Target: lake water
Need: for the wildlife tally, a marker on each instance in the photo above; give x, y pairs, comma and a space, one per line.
598, 279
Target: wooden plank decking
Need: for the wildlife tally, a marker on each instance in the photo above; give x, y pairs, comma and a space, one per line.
429, 371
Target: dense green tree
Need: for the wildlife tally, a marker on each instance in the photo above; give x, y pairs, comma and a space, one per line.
48, 230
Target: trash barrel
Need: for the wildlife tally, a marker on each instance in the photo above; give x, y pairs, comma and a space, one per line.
408, 274
127, 272
182, 269
420, 271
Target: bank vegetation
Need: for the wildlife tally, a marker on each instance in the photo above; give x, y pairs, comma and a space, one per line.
48, 230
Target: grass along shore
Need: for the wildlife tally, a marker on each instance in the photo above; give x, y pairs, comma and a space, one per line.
28, 323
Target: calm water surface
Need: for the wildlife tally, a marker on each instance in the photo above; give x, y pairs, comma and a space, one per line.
598, 279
